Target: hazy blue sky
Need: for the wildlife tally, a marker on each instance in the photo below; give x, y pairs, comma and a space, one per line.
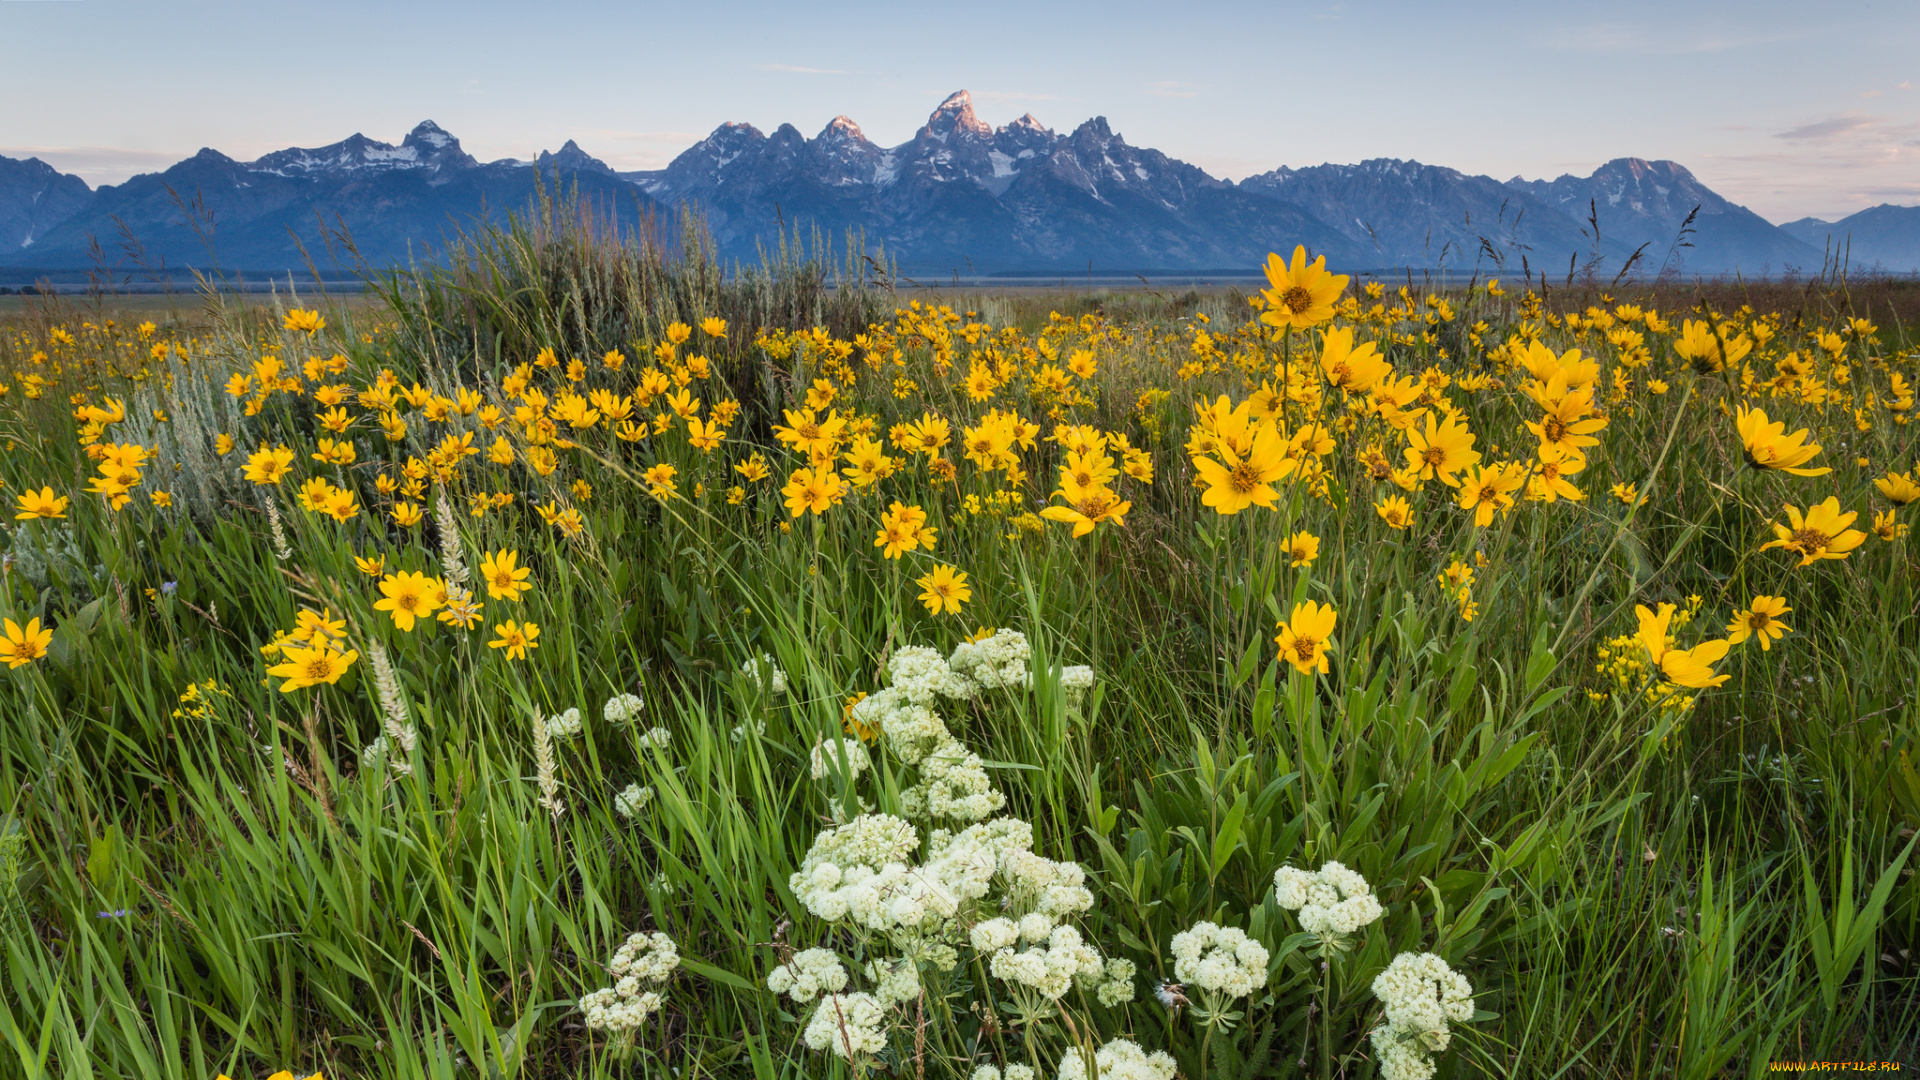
1791, 108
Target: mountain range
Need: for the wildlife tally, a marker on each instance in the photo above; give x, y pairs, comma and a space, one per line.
1884, 236
961, 196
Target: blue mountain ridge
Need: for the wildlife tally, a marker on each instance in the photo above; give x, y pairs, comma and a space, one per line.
960, 196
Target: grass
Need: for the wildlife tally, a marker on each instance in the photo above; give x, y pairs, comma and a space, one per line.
204, 874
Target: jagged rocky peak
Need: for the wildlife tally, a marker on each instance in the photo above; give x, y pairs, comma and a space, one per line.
707, 162
434, 148
428, 146
780, 154
1095, 130
428, 133
954, 117
717, 150
1024, 138
1662, 190
570, 157
350, 154
1028, 122
728, 138
842, 156
841, 129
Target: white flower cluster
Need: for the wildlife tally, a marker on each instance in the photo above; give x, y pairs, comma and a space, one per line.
858, 872
1076, 680
1421, 994
920, 675
633, 800
903, 711
644, 960
870, 840
967, 861
1219, 959
564, 726
991, 935
648, 957
1121, 1059
912, 731
659, 737
1046, 969
894, 981
953, 784
623, 709
1116, 983
762, 671
828, 753
920, 678
1036, 883
893, 897
1001, 662
862, 873
610, 1010
1053, 967
1333, 903
851, 1024
810, 973
372, 753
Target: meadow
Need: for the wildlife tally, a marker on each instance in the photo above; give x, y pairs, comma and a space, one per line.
576, 661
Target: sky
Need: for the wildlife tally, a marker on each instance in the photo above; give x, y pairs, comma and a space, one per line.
1792, 109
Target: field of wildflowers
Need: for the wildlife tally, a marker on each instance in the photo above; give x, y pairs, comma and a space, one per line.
575, 663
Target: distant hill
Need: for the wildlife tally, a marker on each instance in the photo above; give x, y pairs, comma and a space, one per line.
960, 196
1403, 213
396, 202
35, 197
1884, 237
1647, 203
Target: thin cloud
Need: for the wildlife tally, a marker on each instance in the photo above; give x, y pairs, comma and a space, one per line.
1833, 127
1849, 166
1168, 88
792, 70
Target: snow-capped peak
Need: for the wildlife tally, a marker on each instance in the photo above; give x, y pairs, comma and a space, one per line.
430, 133
355, 153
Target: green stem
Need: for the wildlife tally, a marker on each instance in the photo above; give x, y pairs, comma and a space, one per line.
1633, 511
1326, 1018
